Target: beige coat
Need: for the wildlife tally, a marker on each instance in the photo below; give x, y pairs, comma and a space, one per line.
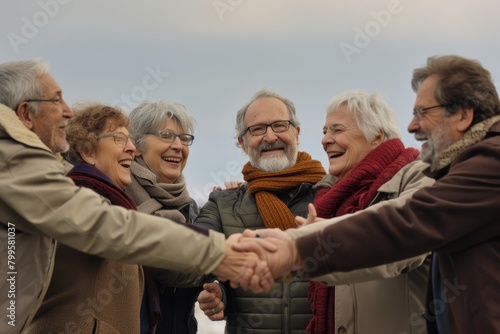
38, 204
388, 298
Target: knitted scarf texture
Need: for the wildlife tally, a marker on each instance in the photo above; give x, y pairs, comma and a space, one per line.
353, 193
475, 134
262, 184
156, 197
88, 176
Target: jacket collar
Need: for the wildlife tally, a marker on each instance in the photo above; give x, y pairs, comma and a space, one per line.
485, 129
13, 128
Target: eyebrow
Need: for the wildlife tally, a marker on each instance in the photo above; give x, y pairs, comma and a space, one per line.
334, 125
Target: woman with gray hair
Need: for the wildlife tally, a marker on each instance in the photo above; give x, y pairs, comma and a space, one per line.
163, 132
368, 164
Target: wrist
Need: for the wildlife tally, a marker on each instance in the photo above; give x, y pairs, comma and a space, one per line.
296, 262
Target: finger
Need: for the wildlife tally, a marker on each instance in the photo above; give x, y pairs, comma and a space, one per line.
300, 221
211, 305
217, 313
250, 233
232, 184
254, 285
211, 287
312, 211
311, 214
244, 279
257, 245
216, 188
205, 297
266, 279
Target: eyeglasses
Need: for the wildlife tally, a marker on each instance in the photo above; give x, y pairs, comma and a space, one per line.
169, 136
55, 101
261, 129
119, 137
420, 112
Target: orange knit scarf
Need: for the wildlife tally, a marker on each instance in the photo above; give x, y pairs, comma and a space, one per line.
261, 184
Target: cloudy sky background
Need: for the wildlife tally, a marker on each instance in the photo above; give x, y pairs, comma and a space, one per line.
213, 55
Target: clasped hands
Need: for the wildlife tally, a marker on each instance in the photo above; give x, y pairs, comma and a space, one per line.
255, 258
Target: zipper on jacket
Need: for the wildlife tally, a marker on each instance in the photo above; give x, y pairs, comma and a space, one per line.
286, 308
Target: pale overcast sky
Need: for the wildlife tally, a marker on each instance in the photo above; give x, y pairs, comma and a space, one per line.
213, 55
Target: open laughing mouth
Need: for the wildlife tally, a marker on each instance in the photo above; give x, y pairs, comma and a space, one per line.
126, 163
172, 160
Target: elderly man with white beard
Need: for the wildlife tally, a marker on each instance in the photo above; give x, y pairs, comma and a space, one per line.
279, 186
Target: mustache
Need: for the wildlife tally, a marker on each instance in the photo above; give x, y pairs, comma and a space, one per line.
274, 146
421, 136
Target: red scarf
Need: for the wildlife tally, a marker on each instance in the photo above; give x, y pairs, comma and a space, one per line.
353, 193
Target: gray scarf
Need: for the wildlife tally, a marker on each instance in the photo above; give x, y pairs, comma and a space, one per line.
155, 197
475, 134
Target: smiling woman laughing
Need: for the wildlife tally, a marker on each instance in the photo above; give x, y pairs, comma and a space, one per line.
87, 293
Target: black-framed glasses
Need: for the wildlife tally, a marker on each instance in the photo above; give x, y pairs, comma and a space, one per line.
420, 112
119, 137
169, 136
55, 101
261, 129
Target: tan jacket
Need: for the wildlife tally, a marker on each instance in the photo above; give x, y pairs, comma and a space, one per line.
38, 204
388, 298
91, 295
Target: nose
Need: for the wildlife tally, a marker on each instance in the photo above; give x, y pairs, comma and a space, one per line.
327, 139
270, 136
176, 144
414, 125
67, 112
130, 147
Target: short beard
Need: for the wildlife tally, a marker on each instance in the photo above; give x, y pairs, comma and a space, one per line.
436, 144
274, 163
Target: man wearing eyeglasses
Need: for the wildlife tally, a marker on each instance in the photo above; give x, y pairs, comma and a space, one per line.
39, 205
457, 114
278, 187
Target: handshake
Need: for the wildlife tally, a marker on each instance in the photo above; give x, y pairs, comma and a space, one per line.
256, 257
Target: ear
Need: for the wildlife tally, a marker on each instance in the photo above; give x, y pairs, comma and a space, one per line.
464, 122
25, 115
88, 157
378, 140
298, 132
241, 141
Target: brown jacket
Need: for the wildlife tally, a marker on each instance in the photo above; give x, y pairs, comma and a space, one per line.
90, 295
457, 218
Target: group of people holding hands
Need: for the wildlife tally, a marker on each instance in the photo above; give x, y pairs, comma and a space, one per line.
389, 240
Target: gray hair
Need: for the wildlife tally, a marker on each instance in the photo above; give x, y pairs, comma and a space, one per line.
463, 83
371, 112
149, 116
19, 82
240, 116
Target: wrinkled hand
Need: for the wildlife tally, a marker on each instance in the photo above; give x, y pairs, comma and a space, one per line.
230, 185
210, 301
280, 254
267, 233
312, 217
244, 268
